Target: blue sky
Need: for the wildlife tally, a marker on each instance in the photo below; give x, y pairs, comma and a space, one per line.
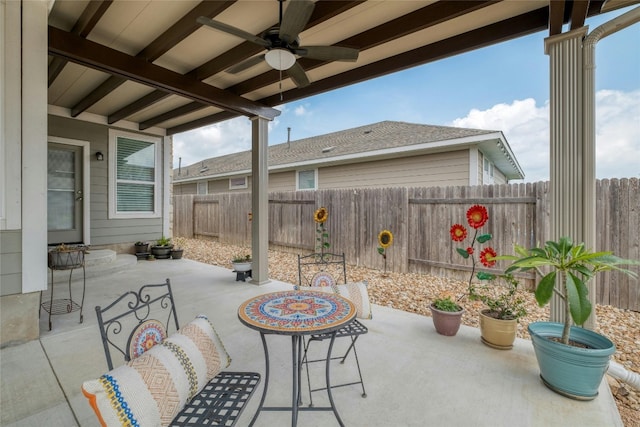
501, 87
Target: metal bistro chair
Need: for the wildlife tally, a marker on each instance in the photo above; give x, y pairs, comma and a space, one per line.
327, 270
222, 399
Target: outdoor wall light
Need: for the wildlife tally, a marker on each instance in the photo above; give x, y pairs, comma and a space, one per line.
99, 156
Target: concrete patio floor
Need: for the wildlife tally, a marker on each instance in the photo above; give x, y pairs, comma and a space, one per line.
413, 376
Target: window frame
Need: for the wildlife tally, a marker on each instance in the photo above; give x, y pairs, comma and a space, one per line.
157, 182
315, 179
202, 184
241, 186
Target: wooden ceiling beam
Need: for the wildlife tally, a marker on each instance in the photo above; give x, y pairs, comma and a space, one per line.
172, 36
324, 10
579, 12
88, 19
519, 26
556, 16
102, 58
420, 19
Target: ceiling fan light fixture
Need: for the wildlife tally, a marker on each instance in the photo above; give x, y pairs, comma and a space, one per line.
280, 59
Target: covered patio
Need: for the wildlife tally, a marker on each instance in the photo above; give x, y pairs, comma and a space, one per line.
413, 376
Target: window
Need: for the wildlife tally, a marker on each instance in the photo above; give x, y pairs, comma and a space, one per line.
202, 187
238, 183
487, 176
306, 180
134, 186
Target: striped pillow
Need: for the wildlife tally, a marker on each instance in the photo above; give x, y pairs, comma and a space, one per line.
153, 388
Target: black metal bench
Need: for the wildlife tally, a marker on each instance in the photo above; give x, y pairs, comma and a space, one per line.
220, 402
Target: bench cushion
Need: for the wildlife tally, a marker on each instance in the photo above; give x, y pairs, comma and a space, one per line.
153, 388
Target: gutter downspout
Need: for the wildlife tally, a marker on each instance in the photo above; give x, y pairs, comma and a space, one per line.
627, 19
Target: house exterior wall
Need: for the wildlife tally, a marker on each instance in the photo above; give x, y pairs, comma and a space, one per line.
439, 169
10, 262
104, 231
282, 181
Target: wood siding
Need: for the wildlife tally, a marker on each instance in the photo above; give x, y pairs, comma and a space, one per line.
10, 262
420, 219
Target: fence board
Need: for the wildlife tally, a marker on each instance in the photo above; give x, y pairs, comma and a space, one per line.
420, 219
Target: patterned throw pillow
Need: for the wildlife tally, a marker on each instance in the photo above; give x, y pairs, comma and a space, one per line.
355, 292
145, 336
152, 389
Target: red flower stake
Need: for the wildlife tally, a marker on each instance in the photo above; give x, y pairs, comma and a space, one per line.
477, 216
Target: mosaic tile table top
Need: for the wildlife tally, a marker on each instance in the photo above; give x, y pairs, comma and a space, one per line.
296, 312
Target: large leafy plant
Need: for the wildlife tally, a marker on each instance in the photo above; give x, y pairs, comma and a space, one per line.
574, 266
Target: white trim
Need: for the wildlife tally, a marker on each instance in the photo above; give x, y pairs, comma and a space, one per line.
160, 176
33, 123
55, 110
86, 182
10, 117
315, 179
165, 170
473, 166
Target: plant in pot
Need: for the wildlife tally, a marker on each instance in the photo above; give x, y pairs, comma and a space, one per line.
241, 263
446, 314
499, 321
177, 252
572, 360
162, 248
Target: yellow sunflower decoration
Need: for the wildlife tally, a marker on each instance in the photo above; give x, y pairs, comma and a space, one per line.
385, 238
321, 215
322, 235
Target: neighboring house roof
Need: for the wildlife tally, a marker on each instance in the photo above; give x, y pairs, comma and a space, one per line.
387, 139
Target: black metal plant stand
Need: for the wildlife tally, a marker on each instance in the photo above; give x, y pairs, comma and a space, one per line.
69, 259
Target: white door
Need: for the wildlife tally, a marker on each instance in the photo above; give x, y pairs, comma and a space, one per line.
64, 194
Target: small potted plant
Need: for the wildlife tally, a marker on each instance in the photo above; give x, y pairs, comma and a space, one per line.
446, 314
176, 253
162, 248
499, 321
572, 360
241, 263
141, 247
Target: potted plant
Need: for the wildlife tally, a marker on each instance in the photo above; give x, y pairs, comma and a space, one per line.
176, 253
447, 315
65, 257
141, 247
572, 360
241, 263
499, 321
162, 248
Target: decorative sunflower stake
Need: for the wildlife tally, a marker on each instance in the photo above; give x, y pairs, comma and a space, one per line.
477, 216
385, 239
322, 235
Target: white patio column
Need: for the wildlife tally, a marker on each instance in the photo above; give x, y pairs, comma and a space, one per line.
567, 153
259, 200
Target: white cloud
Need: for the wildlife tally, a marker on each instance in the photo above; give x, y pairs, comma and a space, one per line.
219, 139
301, 110
526, 128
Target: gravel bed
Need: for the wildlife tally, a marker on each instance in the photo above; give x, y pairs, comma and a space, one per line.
414, 292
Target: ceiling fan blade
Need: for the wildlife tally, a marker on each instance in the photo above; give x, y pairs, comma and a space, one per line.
216, 25
295, 18
298, 75
328, 53
245, 65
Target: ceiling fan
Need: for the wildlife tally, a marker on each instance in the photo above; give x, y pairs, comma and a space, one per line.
282, 43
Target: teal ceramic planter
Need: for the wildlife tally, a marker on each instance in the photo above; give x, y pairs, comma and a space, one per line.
571, 371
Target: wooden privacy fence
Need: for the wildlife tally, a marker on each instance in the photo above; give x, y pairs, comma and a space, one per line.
420, 219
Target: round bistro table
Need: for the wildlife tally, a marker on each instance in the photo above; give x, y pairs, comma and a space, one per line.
296, 313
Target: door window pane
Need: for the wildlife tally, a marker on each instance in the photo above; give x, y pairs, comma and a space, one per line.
60, 190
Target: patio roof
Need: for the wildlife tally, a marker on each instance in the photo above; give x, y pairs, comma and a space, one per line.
413, 376
149, 64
